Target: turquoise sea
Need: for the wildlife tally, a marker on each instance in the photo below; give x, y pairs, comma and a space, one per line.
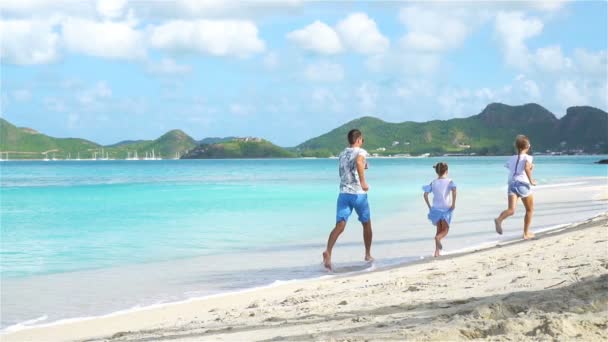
87, 238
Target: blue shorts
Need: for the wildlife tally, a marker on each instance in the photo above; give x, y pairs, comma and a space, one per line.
436, 215
519, 189
348, 202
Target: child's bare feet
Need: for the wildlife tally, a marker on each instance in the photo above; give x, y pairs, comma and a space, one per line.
529, 235
498, 226
327, 260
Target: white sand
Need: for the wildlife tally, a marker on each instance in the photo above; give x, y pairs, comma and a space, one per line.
554, 287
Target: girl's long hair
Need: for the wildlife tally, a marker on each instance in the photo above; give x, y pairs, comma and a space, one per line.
521, 143
441, 168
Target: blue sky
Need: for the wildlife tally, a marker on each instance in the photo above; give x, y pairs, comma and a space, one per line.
289, 70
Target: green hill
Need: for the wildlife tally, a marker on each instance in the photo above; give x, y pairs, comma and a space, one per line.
26, 143
490, 132
239, 148
170, 144
487, 133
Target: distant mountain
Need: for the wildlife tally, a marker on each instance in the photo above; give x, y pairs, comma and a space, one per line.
490, 132
26, 143
214, 140
172, 144
127, 142
239, 148
583, 126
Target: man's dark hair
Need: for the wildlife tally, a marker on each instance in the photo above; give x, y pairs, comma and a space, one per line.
353, 135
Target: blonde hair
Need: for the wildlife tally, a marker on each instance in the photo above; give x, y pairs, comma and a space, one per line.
521, 143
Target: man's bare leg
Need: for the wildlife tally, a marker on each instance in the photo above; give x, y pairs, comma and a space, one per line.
529, 204
367, 238
331, 241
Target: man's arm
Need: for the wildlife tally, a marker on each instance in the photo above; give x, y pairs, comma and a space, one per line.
361, 172
453, 199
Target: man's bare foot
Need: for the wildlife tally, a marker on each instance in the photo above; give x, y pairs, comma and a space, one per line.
327, 261
369, 258
498, 226
437, 253
529, 236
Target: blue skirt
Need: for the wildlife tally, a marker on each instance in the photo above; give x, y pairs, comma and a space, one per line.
436, 215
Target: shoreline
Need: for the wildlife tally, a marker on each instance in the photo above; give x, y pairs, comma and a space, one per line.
351, 270
312, 158
160, 316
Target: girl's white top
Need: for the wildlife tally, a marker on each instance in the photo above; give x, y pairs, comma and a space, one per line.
441, 189
519, 174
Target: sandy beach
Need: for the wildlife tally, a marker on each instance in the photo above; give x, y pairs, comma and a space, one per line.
553, 287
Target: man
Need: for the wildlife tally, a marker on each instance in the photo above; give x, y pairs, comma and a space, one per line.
353, 195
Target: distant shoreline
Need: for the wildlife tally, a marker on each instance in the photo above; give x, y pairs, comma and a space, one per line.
305, 158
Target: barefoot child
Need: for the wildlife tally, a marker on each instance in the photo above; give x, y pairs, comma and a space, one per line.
440, 213
520, 178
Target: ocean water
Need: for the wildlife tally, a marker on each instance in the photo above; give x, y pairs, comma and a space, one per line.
84, 238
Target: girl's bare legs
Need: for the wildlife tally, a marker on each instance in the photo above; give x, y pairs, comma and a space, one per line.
437, 244
506, 213
529, 204
442, 231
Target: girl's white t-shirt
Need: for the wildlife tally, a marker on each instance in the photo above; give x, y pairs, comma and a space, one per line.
519, 174
441, 189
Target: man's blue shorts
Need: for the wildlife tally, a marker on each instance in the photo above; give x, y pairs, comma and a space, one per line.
348, 202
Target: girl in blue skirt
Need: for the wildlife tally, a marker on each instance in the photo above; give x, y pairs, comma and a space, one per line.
440, 213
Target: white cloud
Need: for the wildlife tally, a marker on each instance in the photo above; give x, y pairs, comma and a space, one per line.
168, 66
324, 72
240, 109
548, 5
22, 95
368, 96
111, 9
26, 42
325, 99
414, 88
531, 89
551, 59
435, 29
485, 94
213, 9
361, 34
271, 60
54, 104
93, 96
317, 37
103, 39
214, 37
456, 102
73, 120
592, 63
46, 8
568, 94
514, 29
